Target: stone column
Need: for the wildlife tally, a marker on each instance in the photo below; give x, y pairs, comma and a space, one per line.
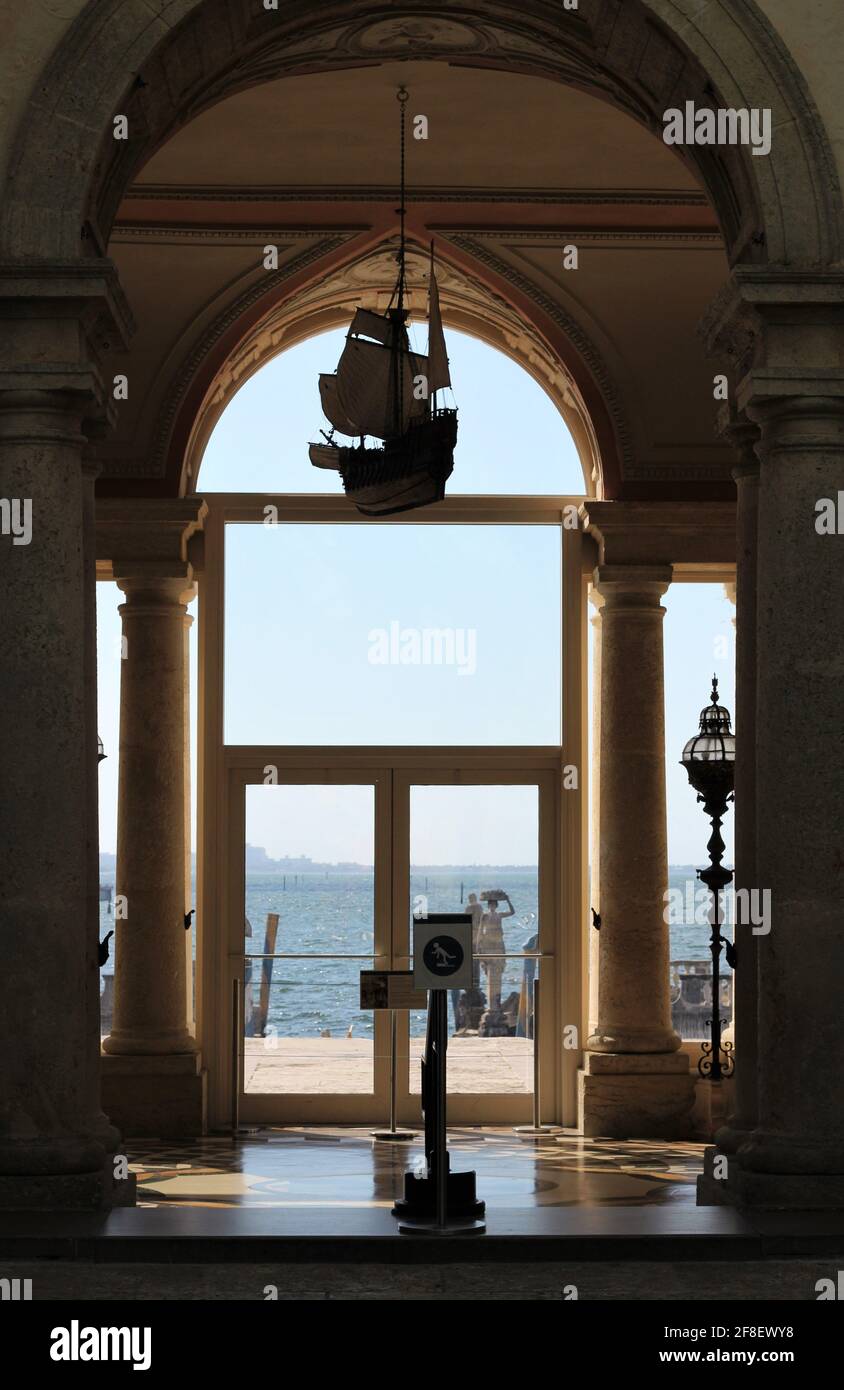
795, 1156
50, 1152
153, 1080
635, 1082
150, 1016
152, 1073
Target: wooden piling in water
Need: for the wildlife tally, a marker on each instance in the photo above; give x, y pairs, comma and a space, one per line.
267, 972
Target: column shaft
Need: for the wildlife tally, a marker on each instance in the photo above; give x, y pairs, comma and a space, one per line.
635, 1081
800, 799
634, 1013
48, 1083
150, 994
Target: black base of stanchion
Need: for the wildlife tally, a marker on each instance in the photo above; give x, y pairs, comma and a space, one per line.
536, 1132
455, 1226
392, 1136
420, 1198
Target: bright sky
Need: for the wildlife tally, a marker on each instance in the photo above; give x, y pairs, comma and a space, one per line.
511, 437
312, 613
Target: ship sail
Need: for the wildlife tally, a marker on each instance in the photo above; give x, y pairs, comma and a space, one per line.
372, 325
331, 407
366, 387
439, 375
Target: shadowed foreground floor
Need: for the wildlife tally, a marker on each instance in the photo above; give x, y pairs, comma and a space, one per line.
639, 1281
304, 1214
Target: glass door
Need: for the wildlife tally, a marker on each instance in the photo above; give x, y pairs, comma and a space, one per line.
483, 844
312, 916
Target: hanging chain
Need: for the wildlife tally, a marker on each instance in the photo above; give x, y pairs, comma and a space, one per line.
402, 98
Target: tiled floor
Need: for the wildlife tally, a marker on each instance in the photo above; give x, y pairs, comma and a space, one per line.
307, 1210
346, 1168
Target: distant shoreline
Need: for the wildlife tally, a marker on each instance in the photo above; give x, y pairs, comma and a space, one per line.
275, 867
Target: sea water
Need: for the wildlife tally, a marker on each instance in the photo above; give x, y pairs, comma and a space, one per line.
327, 914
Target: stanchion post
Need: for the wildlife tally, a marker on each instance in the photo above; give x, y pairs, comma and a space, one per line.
438, 999
537, 1083
537, 1129
235, 1057
392, 1071
393, 1134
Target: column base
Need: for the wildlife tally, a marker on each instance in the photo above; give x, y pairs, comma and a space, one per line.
93, 1191
744, 1188
713, 1103
156, 1097
731, 1136
636, 1096
120, 1043
634, 1041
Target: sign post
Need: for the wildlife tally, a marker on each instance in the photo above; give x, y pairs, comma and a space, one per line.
439, 1202
392, 990
393, 1135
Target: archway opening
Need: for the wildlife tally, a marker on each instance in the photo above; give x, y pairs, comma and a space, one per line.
512, 439
398, 700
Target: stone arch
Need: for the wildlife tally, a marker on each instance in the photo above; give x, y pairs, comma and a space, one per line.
556, 354
67, 174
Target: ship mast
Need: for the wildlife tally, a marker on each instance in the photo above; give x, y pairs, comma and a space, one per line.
431, 282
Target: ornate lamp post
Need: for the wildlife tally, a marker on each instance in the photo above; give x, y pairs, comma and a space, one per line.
710, 760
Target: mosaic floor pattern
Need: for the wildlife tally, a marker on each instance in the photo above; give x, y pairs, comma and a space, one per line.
346, 1168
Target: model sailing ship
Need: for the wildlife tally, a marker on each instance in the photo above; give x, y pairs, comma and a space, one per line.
384, 390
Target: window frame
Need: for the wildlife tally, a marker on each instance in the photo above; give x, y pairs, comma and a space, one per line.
217, 809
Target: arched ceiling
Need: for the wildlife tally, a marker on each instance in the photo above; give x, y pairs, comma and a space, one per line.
487, 131
515, 169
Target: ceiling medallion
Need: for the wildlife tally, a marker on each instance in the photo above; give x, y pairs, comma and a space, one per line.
416, 37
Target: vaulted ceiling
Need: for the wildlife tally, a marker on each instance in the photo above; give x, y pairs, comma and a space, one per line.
514, 169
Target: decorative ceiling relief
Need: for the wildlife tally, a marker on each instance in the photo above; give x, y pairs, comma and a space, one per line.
416, 38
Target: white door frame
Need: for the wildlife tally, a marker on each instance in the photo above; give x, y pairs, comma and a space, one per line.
219, 821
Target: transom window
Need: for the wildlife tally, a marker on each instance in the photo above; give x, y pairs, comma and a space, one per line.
511, 441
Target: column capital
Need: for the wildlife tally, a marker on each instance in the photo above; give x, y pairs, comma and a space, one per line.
798, 424
58, 404
776, 331
632, 586
60, 318
153, 593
